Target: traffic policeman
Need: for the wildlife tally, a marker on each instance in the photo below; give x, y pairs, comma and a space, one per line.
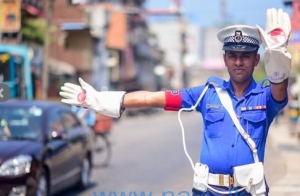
255, 105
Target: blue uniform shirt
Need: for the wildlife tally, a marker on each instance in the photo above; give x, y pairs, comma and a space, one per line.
222, 145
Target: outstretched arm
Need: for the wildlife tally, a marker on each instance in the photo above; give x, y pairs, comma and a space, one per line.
144, 99
109, 103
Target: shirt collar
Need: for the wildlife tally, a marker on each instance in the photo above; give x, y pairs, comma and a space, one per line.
253, 87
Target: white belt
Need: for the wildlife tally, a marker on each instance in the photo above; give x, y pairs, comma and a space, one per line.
220, 180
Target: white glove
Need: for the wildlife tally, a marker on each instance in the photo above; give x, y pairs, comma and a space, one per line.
275, 40
105, 102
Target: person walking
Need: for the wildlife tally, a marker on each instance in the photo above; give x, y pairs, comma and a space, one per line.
236, 114
85, 114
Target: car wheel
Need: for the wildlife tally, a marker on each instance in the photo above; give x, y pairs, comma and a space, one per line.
42, 185
85, 173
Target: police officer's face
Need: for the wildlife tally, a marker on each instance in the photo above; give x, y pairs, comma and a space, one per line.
241, 65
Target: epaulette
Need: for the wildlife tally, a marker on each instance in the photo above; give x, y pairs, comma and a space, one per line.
215, 81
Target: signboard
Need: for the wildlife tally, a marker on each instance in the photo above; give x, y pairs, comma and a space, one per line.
10, 16
116, 36
4, 57
4, 67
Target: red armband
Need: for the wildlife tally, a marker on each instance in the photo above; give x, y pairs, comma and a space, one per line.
173, 100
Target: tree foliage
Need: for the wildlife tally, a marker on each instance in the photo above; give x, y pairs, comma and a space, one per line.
33, 30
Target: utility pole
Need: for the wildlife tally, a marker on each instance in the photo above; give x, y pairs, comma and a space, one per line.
223, 13
176, 10
184, 73
183, 24
49, 9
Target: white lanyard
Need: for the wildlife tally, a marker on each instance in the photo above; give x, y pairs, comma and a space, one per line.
227, 103
182, 128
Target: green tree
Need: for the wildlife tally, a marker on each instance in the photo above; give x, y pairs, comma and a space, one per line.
33, 30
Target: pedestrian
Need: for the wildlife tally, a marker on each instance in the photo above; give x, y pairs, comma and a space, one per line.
237, 113
87, 115
294, 107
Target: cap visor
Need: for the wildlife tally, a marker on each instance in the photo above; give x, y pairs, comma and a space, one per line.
240, 48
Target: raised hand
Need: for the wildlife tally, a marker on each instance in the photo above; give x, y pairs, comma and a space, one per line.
274, 40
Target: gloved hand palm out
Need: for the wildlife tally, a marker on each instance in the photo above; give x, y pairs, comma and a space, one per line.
108, 103
78, 95
274, 40
278, 28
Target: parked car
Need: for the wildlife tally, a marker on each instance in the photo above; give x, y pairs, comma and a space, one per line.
44, 148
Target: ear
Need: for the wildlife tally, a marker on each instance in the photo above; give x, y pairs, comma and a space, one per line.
257, 59
224, 59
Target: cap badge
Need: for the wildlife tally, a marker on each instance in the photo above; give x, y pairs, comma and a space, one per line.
238, 37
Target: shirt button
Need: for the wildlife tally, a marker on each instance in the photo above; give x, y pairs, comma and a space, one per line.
232, 146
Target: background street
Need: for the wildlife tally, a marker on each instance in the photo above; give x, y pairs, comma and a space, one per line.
129, 45
148, 156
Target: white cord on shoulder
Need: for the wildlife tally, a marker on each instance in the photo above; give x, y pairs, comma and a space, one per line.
184, 144
181, 125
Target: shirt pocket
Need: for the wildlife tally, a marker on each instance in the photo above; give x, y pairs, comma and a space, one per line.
254, 123
214, 122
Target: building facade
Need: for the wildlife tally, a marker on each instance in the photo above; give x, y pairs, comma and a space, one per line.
294, 41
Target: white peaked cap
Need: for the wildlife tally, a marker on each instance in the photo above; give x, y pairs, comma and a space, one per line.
239, 38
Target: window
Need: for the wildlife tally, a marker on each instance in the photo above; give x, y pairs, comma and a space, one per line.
69, 120
55, 124
21, 122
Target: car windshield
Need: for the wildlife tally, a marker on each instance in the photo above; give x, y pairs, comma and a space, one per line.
21, 123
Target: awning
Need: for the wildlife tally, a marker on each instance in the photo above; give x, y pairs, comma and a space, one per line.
60, 67
73, 26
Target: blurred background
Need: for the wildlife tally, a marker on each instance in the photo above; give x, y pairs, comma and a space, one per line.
121, 44
142, 44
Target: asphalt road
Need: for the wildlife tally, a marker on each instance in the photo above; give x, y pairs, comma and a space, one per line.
148, 157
